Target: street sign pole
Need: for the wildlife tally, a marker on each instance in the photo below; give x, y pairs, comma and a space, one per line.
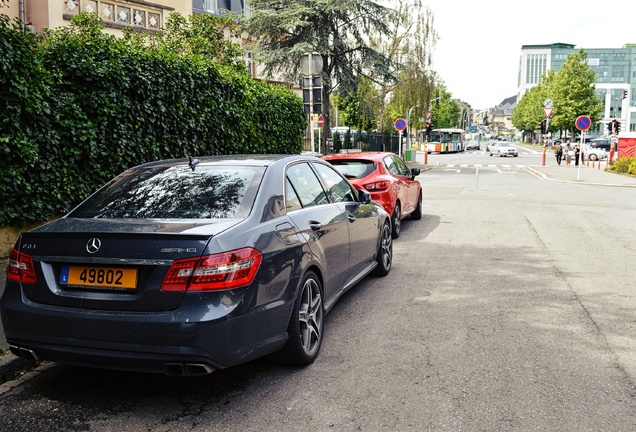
400, 125
582, 123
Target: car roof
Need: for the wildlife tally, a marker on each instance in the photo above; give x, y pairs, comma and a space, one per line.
245, 160
373, 155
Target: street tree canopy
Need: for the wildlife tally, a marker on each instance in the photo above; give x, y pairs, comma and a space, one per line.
572, 91
337, 29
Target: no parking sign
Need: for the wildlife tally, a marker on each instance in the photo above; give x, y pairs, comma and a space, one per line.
583, 123
400, 124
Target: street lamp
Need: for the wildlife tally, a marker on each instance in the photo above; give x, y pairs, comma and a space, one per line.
408, 125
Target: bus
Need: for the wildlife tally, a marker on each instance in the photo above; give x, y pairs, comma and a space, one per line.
444, 141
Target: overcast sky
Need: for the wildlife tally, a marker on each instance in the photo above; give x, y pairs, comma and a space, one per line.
477, 55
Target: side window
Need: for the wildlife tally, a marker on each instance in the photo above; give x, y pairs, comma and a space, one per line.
339, 188
306, 185
390, 165
292, 202
400, 166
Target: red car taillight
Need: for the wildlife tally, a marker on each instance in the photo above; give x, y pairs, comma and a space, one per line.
377, 186
20, 268
213, 272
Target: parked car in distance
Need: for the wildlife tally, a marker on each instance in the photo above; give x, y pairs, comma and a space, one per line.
593, 153
472, 145
387, 178
504, 148
602, 143
185, 266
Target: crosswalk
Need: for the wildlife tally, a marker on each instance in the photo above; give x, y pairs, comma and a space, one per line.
477, 168
483, 166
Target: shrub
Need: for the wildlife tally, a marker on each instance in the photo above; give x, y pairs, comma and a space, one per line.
82, 106
624, 165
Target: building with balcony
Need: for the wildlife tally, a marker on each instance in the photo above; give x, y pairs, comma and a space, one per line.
117, 14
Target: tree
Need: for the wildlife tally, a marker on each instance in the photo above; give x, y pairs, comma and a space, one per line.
447, 112
410, 45
337, 29
199, 34
356, 110
573, 92
528, 113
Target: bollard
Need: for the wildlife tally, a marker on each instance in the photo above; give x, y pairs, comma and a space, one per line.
543, 156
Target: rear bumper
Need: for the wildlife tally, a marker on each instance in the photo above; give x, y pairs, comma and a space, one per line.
190, 340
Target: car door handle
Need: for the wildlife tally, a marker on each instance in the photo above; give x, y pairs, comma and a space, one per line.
351, 217
315, 225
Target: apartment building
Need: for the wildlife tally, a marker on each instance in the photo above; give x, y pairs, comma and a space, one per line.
117, 14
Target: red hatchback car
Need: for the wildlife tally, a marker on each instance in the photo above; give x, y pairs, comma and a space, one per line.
388, 179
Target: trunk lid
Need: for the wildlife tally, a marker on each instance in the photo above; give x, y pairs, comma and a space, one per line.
112, 264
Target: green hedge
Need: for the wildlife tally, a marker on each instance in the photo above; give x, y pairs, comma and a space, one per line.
80, 106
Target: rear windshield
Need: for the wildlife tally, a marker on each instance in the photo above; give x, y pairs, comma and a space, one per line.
353, 168
176, 192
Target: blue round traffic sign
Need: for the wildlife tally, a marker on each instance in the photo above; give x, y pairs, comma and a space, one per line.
583, 123
400, 124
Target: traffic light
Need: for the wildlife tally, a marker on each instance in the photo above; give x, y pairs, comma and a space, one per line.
624, 94
609, 127
544, 127
616, 125
429, 128
404, 132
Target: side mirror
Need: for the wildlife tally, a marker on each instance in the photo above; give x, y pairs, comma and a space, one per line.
364, 196
415, 172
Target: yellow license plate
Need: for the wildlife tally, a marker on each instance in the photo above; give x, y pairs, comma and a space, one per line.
102, 277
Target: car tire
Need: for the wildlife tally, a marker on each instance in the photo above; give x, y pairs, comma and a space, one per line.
490, 154
396, 221
417, 213
306, 325
385, 251
593, 157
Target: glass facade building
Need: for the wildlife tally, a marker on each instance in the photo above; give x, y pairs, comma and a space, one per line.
615, 70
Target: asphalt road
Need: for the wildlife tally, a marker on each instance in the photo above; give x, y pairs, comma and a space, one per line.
510, 307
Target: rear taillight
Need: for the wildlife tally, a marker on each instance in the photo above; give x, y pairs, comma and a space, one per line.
213, 272
20, 268
377, 186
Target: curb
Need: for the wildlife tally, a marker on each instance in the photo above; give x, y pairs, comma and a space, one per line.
17, 371
544, 176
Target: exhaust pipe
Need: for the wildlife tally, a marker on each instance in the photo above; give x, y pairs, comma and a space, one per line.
187, 369
24, 353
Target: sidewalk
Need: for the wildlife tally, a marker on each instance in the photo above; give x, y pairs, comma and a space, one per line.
586, 174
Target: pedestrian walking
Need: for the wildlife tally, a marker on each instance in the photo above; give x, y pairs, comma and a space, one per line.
558, 152
577, 154
569, 153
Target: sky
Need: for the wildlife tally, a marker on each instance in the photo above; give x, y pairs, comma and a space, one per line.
477, 54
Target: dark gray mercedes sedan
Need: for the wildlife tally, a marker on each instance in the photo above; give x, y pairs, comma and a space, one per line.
186, 266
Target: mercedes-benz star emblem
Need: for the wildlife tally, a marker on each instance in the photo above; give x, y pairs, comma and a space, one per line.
93, 245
